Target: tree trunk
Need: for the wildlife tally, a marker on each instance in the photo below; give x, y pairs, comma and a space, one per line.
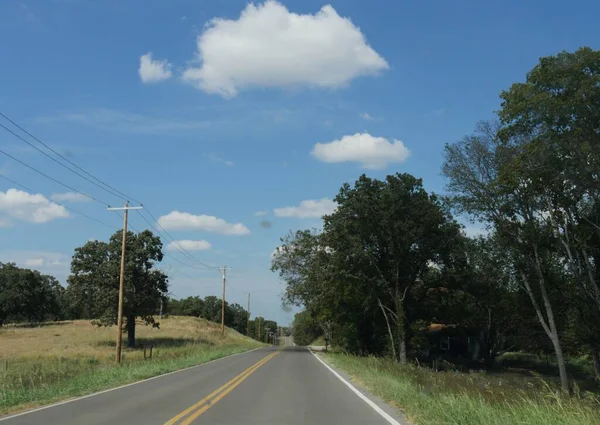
596, 359
131, 331
389, 330
401, 327
550, 326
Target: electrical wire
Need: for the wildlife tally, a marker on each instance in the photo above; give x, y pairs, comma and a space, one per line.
123, 195
174, 240
102, 185
179, 248
159, 233
164, 254
32, 192
53, 179
60, 163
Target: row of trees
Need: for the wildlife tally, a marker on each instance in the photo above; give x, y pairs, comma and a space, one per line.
27, 295
392, 259
236, 316
93, 288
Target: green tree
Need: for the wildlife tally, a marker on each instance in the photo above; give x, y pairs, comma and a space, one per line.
190, 306
485, 181
94, 280
27, 295
386, 234
305, 329
236, 317
554, 120
212, 309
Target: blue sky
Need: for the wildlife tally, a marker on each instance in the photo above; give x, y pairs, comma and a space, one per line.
209, 122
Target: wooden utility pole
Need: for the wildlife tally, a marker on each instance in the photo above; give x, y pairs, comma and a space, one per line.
248, 319
224, 270
125, 210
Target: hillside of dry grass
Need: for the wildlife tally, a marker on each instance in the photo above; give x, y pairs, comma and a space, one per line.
52, 361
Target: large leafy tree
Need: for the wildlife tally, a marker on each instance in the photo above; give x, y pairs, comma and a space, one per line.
554, 119
485, 181
27, 295
387, 234
212, 309
94, 280
304, 329
356, 277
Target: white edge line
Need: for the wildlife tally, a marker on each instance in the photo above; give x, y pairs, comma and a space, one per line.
374, 406
71, 400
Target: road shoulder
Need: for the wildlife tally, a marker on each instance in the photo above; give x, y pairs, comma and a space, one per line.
393, 415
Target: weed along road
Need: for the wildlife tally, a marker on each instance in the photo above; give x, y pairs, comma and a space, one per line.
279, 386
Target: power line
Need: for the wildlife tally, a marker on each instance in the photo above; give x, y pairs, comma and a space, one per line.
184, 263
123, 195
178, 246
60, 163
32, 192
159, 233
164, 254
53, 179
176, 242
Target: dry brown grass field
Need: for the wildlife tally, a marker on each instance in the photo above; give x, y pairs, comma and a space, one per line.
82, 339
53, 361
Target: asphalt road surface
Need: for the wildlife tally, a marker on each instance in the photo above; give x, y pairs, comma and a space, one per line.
270, 386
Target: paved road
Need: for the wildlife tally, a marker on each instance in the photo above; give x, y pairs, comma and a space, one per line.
271, 386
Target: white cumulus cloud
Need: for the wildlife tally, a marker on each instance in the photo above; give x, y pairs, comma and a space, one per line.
32, 208
269, 46
177, 220
153, 71
69, 197
367, 117
308, 209
260, 213
371, 152
190, 245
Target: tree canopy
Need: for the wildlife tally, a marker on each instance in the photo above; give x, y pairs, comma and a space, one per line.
391, 265
94, 280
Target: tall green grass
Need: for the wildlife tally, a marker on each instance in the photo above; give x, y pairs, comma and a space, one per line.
476, 398
33, 381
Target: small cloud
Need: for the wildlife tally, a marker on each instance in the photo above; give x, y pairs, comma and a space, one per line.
199, 245
260, 213
177, 220
37, 259
308, 209
29, 207
265, 224
371, 152
69, 197
368, 117
184, 18
438, 112
153, 71
35, 262
215, 158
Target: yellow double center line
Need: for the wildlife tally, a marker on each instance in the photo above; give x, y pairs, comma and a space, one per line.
191, 413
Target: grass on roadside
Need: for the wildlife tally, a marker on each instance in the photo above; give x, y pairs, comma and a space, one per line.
453, 398
43, 364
